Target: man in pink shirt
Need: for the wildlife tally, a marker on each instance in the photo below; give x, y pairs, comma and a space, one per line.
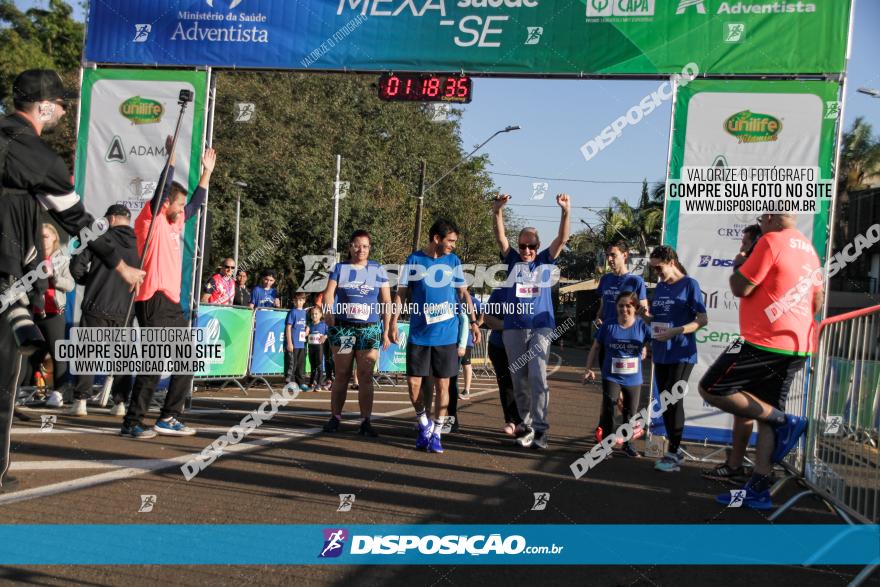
780, 286
158, 301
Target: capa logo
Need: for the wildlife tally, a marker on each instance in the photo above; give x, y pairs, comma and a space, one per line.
751, 127
142, 110
605, 8
334, 541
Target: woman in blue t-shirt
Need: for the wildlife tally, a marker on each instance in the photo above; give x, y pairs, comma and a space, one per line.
610, 286
677, 311
358, 320
623, 341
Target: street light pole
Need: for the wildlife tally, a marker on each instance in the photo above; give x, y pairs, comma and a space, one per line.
243, 186
874, 93
423, 189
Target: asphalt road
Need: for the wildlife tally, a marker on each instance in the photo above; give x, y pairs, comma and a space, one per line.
289, 472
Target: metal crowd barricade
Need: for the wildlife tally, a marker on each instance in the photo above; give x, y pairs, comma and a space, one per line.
841, 461
480, 356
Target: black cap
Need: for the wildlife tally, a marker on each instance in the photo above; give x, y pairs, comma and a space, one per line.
36, 85
118, 210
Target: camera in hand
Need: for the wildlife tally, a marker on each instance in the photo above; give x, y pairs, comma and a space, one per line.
27, 336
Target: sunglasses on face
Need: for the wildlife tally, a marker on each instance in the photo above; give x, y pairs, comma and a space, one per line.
523, 247
229, 266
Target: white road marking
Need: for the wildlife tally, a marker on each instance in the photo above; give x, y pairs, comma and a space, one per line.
146, 466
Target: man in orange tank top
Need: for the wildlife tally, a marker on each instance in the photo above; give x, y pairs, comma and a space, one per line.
780, 286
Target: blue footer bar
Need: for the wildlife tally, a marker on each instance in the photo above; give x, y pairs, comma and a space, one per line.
193, 544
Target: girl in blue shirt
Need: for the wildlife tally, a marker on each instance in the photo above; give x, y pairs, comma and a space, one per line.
317, 336
624, 342
677, 311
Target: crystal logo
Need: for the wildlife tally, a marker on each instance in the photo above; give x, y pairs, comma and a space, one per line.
752, 127
142, 32
142, 110
683, 5
334, 541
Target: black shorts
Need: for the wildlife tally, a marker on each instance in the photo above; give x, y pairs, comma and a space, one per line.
466, 359
432, 361
744, 367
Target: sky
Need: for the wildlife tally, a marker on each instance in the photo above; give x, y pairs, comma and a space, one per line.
558, 116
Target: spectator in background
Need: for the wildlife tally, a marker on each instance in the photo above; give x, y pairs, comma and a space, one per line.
220, 289
105, 301
317, 336
264, 295
242, 296
48, 311
296, 331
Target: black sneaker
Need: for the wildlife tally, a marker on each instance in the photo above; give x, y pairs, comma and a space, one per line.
455, 425
724, 472
10, 484
366, 429
332, 424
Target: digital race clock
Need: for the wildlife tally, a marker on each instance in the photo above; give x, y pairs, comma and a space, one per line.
418, 87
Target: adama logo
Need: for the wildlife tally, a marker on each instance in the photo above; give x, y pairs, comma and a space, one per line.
141, 110
751, 127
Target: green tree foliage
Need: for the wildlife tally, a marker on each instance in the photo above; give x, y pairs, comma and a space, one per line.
41, 39
640, 227
287, 156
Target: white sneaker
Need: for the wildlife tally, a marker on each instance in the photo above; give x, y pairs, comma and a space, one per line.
78, 408
527, 439
118, 409
55, 400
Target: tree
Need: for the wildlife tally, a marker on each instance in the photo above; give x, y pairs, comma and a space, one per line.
287, 156
859, 156
41, 39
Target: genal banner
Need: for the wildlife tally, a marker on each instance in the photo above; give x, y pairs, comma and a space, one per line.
125, 117
740, 124
540, 37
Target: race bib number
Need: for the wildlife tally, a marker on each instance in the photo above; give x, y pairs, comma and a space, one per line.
625, 365
440, 313
525, 290
346, 344
315, 338
658, 328
302, 335
358, 312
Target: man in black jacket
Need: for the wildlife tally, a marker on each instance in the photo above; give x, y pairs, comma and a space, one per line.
31, 175
105, 301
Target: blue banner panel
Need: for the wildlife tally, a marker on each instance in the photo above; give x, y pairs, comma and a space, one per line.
393, 360
493, 36
267, 355
696, 544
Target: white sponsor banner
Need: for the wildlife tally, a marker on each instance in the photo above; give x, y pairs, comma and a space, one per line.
126, 153
735, 129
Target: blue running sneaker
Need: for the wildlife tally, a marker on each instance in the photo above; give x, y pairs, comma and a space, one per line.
173, 427
787, 436
756, 500
136, 432
424, 438
435, 445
